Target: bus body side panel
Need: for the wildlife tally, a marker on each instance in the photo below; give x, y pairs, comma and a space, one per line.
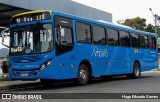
114, 60
152, 60
144, 59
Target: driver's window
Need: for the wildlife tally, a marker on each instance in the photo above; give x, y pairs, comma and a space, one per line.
66, 36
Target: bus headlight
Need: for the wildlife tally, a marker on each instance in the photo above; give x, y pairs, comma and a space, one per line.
49, 62
46, 64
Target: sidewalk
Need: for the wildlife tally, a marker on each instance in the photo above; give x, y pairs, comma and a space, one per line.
6, 83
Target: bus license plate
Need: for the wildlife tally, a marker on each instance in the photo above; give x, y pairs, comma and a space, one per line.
24, 75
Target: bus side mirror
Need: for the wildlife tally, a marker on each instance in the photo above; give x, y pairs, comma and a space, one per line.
3, 37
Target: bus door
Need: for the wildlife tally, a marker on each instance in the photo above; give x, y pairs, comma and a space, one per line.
143, 52
64, 45
153, 52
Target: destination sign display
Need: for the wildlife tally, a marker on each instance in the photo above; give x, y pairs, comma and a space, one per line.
31, 17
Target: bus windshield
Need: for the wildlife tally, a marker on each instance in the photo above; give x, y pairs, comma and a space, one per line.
31, 39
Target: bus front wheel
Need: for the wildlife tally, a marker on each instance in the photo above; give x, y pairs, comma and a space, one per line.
83, 75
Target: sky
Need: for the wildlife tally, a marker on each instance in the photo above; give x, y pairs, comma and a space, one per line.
123, 9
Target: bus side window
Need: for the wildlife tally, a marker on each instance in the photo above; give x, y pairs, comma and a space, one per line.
152, 42
99, 36
135, 40
112, 37
124, 39
143, 41
66, 36
83, 33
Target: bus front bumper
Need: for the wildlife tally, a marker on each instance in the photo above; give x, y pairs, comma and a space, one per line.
47, 73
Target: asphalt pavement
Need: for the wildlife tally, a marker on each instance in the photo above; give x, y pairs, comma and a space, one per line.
148, 83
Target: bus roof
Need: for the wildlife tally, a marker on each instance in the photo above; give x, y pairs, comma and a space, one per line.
110, 25
96, 22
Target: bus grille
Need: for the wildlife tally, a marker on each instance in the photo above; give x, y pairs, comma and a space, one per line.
25, 59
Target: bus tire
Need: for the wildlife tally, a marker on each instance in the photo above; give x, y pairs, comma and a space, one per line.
83, 75
136, 71
47, 83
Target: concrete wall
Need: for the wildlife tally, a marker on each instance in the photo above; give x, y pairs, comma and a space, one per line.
67, 6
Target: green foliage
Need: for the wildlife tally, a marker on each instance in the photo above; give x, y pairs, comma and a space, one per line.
136, 23
139, 24
150, 28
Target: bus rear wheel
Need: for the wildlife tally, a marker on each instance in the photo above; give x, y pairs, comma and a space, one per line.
83, 75
136, 71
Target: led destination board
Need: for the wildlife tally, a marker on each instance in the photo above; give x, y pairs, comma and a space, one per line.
31, 17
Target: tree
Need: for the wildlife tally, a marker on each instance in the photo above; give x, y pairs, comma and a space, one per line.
136, 23
139, 24
150, 28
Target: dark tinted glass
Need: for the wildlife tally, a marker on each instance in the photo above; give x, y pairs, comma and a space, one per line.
99, 35
83, 33
112, 37
143, 41
134, 40
124, 39
152, 42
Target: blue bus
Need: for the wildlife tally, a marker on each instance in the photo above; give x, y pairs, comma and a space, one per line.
50, 46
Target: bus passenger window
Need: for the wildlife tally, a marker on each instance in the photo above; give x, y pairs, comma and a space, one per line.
124, 39
99, 35
143, 41
152, 43
83, 33
112, 37
134, 40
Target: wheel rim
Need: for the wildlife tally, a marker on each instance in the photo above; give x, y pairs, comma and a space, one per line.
83, 75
